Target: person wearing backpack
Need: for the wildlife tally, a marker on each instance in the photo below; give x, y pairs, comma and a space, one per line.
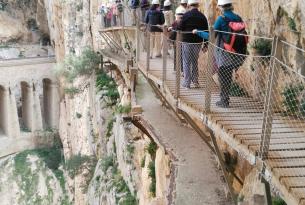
232, 47
154, 19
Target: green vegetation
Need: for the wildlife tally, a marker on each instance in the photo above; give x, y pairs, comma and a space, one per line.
74, 66
109, 128
71, 91
237, 91
130, 149
77, 164
143, 162
262, 46
278, 201
123, 194
4, 46
79, 6
151, 148
291, 100
52, 158
107, 84
291, 23
3, 5
78, 115
152, 175
123, 109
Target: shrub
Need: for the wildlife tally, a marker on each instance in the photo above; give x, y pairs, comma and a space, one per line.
290, 95
104, 82
107, 162
78, 115
278, 201
109, 128
130, 149
74, 66
151, 148
78, 162
152, 175
123, 109
291, 23
143, 162
71, 91
263, 46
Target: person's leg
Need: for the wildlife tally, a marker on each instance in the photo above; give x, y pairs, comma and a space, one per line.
114, 20
152, 42
196, 51
158, 44
225, 80
186, 65
134, 16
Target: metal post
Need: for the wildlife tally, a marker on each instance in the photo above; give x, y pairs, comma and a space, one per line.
138, 40
270, 99
209, 72
147, 50
165, 51
178, 63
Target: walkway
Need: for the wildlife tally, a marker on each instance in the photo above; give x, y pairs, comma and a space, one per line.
198, 180
241, 125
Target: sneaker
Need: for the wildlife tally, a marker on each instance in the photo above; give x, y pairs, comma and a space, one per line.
222, 104
158, 56
196, 85
182, 74
186, 86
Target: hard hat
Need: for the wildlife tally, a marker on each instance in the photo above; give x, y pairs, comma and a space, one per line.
183, 2
155, 2
190, 2
224, 2
167, 3
180, 10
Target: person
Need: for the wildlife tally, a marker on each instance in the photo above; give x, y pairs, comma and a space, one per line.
183, 5
173, 31
155, 18
120, 8
191, 46
226, 61
134, 6
168, 13
114, 13
144, 8
108, 17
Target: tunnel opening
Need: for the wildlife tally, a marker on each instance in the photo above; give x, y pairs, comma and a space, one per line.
25, 108
47, 103
3, 114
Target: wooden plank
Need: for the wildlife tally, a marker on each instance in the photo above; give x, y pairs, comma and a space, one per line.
293, 182
289, 172
258, 131
285, 163
274, 141
281, 147
287, 154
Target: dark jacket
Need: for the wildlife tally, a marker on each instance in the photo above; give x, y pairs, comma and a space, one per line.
134, 4
191, 20
172, 35
154, 17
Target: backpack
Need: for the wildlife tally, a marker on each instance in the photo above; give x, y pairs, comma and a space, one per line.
234, 42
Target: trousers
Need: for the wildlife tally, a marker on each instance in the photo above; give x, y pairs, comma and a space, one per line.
190, 55
225, 80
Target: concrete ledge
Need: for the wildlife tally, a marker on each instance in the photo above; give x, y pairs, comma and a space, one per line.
27, 141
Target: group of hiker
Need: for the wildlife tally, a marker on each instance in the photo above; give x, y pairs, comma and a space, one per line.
230, 33
193, 25
111, 14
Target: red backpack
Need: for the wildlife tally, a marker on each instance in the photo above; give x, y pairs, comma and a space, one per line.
237, 40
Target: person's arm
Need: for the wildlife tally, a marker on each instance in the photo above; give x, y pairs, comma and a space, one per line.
146, 20
202, 34
162, 19
218, 24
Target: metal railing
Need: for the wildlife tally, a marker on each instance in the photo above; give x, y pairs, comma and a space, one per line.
264, 89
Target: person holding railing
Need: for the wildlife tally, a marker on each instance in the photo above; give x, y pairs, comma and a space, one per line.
191, 44
180, 11
232, 47
154, 19
144, 8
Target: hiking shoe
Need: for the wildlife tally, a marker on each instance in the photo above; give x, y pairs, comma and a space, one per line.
222, 104
186, 86
196, 85
158, 56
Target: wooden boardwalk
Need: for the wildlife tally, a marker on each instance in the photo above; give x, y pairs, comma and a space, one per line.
240, 126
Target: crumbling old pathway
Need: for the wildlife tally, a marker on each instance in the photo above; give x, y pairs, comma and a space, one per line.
197, 180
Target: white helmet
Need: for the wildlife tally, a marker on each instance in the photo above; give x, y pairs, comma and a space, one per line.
183, 2
167, 3
224, 2
155, 2
190, 2
180, 10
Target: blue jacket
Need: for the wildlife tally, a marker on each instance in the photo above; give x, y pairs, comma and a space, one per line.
221, 24
154, 17
191, 20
